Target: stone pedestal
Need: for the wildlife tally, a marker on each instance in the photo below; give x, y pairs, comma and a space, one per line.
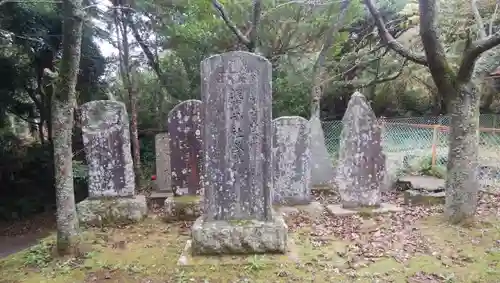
239, 236
157, 198
183, 208
112, 211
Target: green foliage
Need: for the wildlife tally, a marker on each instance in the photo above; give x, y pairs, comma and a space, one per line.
426, 168
40, 255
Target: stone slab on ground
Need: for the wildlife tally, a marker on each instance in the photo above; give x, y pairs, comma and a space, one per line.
414, 197
314, 209
338, 210
324, 188
186, 207
112, 211
239, 236
157, 198
420, 183
188, 259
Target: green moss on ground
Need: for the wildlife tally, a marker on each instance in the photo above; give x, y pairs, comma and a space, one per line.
150, 250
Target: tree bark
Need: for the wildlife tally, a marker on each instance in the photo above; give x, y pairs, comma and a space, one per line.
63, 119
134, 135
462, 183
126, 70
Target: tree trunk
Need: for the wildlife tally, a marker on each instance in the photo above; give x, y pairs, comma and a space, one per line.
462, 183
62, 126
134, 136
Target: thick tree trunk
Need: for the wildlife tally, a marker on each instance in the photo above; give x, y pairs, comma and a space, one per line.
461, 183
62, 126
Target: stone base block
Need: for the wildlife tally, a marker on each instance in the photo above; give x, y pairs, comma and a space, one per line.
338, 210
157, 198
183, 208
112, 211
414, 197
239, 236
188, 259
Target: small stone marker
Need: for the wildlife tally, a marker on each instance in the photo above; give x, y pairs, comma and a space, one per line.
106, 139
162, 186
163, 172
292, 161
322, 171
238, 217
184, 127
361, 165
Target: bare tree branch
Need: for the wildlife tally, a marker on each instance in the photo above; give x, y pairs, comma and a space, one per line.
256, 11
493, 18
434, 50
366, 83
389, 40
471, 54
479, 20
230, 24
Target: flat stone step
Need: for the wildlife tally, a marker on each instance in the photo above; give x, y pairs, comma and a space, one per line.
420, 183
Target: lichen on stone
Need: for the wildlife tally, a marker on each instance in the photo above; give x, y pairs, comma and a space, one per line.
186, 143
106, 140
361, 166
292, 160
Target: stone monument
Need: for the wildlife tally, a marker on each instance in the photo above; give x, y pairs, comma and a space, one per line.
184, 127
111, 186
361, 165
162, 186
292, 161
237, 140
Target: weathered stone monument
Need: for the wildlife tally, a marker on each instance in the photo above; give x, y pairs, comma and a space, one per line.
106, 139
292, 161
361, 165
184, 128
162, 186
238, 217
322, 170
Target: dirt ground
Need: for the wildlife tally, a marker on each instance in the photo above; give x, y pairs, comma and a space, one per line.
411, 246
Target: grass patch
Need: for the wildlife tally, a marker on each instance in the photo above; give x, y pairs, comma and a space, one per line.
150, 251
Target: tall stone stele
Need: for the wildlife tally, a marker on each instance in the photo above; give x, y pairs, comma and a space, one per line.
111, 186
361, 165
184, 128
238, 217
291, 161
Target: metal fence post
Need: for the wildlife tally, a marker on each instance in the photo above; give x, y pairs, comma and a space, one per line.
434, 145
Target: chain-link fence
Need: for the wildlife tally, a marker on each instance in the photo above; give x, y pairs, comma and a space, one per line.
420, 145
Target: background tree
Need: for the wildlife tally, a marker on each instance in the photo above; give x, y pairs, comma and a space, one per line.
461, 98
64, 103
